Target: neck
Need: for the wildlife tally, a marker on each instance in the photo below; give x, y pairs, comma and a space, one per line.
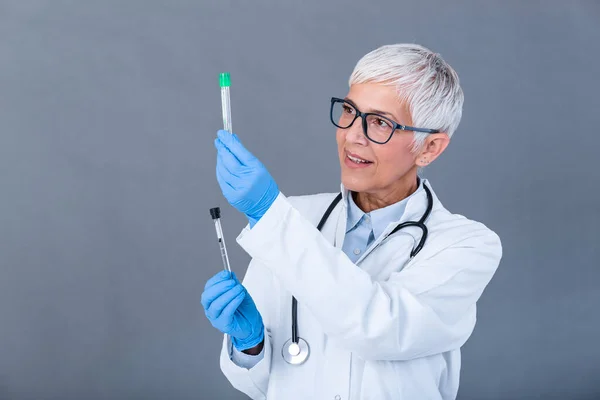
369, 201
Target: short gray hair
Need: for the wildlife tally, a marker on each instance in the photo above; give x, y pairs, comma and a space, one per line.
427, 83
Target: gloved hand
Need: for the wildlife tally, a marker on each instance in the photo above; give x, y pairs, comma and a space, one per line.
244, 180
230, 308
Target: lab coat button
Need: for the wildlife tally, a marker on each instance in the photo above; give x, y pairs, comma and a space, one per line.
357, 251
338, 397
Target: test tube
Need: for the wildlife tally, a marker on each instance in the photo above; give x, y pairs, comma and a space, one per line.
215, 213
225, 83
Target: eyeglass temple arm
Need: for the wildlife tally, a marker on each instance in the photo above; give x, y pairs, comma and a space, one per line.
412, 128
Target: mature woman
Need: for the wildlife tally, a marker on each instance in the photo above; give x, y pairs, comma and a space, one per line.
367, 294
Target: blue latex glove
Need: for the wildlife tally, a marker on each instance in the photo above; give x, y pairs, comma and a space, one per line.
244, 180
230, 308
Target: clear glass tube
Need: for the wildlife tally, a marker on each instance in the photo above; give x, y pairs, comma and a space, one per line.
225, 82
226, 106
221, 239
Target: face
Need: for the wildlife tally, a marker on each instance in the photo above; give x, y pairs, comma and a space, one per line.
388, 165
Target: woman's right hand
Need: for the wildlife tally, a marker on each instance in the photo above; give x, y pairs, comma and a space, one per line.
230, 308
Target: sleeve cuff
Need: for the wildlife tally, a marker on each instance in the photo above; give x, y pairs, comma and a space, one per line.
274, 216
244, 360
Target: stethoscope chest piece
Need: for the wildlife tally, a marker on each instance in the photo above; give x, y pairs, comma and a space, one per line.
295, 353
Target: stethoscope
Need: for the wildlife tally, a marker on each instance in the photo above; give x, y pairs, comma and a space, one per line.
296, 350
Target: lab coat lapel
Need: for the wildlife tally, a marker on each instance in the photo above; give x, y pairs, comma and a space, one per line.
335, 379
342, 218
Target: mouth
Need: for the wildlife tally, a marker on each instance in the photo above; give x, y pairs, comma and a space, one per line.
354, 160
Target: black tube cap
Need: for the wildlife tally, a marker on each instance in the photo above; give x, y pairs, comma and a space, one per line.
215, 213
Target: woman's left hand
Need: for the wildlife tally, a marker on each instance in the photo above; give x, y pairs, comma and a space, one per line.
244, 180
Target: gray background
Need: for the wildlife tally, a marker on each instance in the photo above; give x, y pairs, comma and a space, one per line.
107, 114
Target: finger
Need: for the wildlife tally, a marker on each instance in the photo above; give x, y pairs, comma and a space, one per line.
233, 143
235, 278
215, 309
224, 178
215, 291
233, 305
226, 163
231, 167
233, 161
228, 155
230, 184
218, 277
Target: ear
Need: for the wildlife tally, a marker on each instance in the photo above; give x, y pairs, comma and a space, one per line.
433, 146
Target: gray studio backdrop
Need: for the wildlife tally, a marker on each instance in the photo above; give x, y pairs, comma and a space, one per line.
108, 110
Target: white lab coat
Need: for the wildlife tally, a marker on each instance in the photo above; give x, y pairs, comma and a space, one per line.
386, 327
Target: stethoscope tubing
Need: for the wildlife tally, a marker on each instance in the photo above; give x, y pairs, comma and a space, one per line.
419, 224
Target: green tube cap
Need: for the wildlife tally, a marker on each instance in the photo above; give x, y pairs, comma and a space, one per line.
224, 79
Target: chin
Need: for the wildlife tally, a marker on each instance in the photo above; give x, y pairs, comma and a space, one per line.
354, 184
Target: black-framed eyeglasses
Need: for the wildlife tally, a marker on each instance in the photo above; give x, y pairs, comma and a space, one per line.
376, 127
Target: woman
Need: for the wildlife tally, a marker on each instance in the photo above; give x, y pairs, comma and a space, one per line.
381, 312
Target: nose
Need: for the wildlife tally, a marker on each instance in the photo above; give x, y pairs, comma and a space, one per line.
355, 133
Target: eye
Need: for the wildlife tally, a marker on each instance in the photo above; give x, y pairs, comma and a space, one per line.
382, 123
347, 109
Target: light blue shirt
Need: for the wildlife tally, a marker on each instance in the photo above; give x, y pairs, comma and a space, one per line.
361, 231
363, 228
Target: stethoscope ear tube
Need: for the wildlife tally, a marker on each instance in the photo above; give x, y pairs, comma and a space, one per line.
419, 224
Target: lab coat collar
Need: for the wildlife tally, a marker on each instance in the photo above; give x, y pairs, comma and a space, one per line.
417, 204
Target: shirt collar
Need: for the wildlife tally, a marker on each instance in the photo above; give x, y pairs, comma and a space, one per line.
380, 218
355, 214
